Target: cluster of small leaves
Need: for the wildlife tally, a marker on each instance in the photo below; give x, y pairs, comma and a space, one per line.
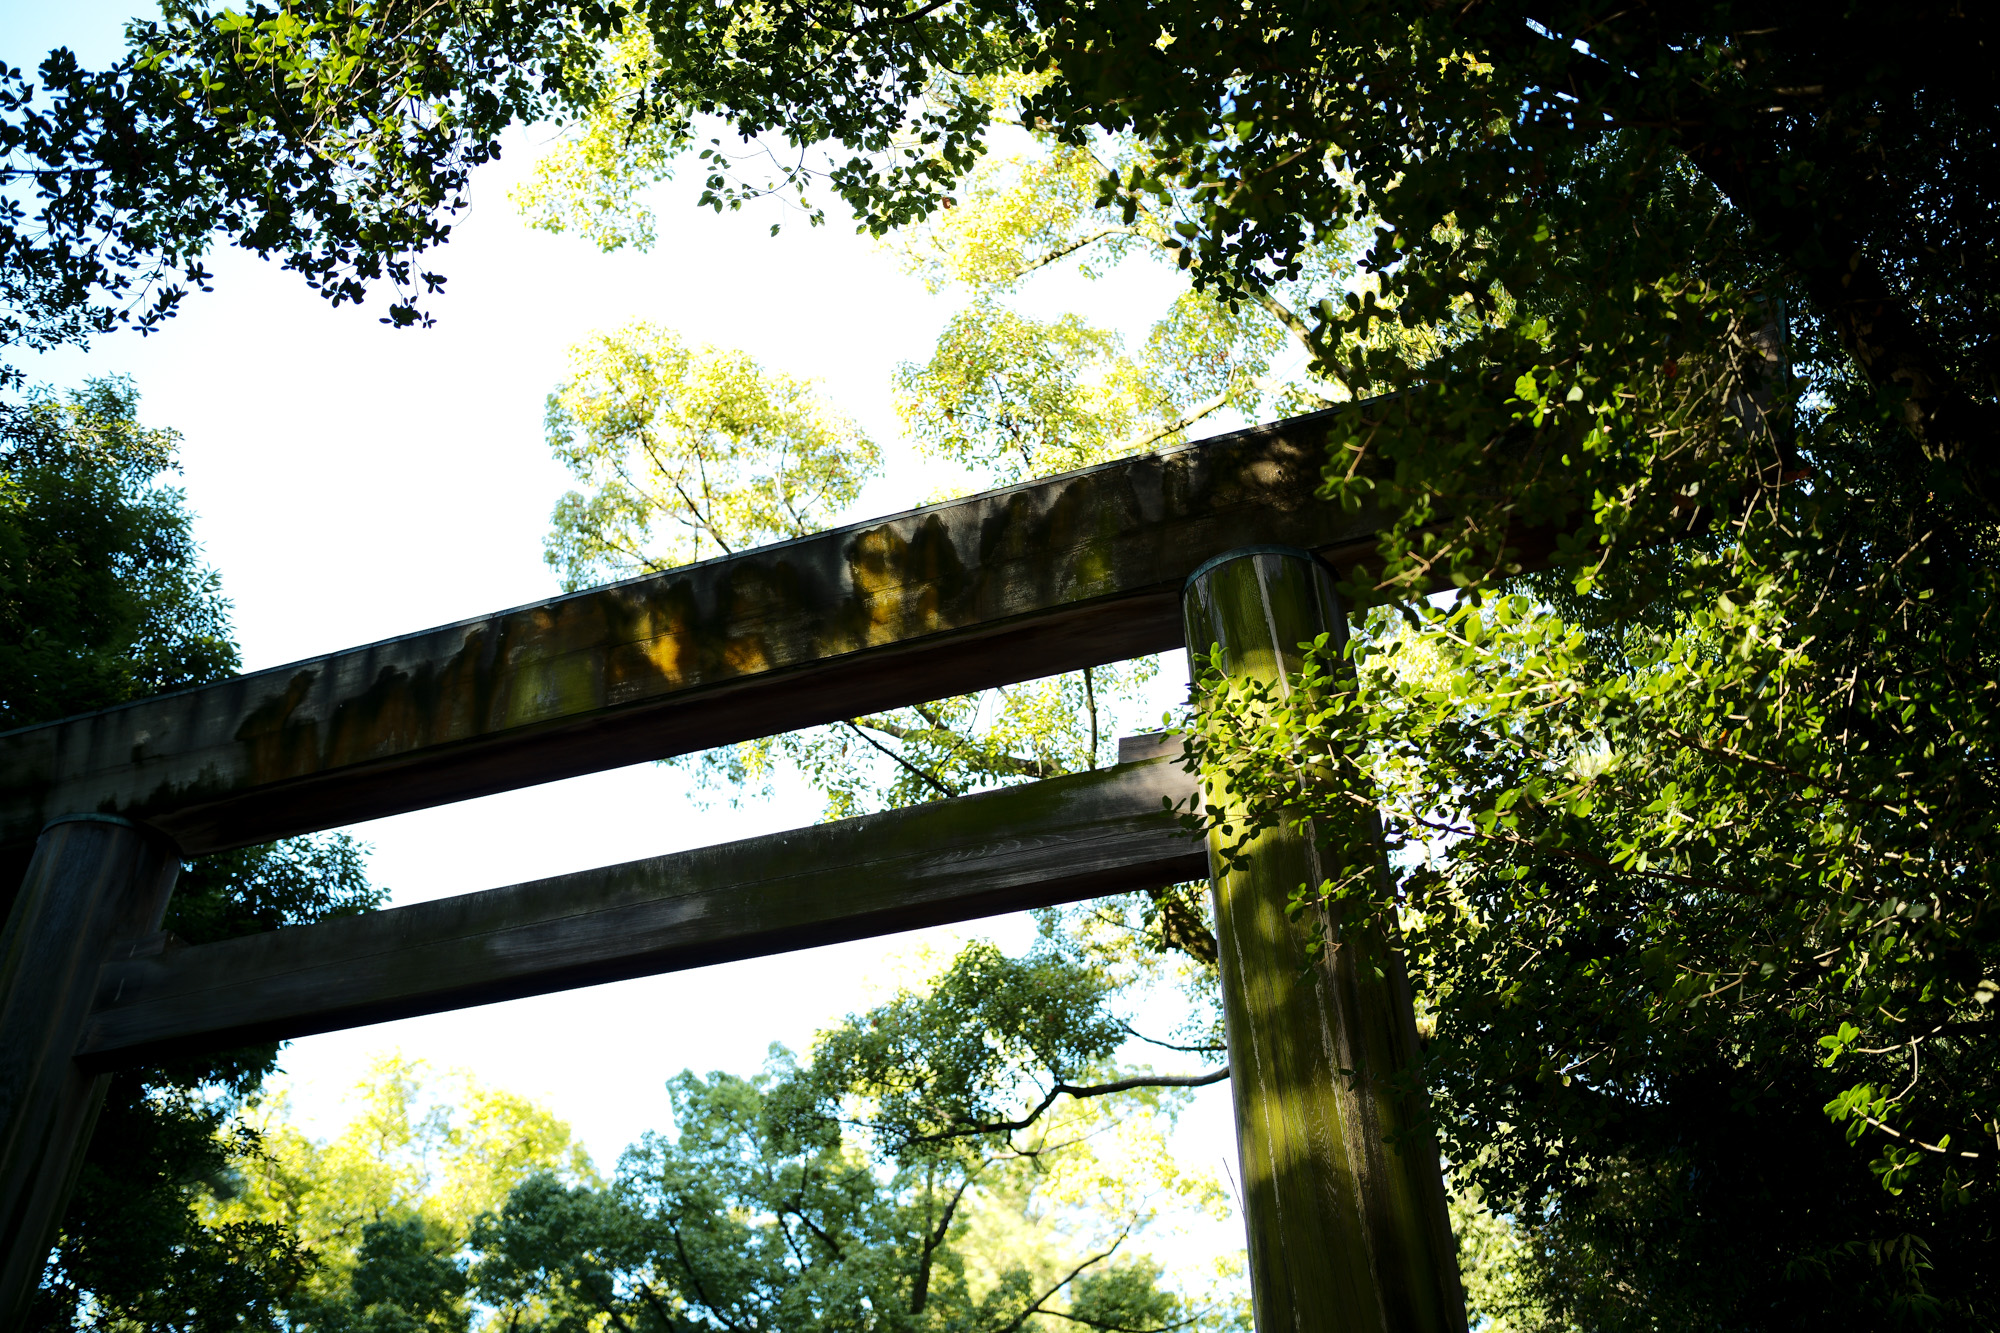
1494, 1261
335, 135
300, 880
878, 101
690, 452
1021, 396
591, 181
885, 86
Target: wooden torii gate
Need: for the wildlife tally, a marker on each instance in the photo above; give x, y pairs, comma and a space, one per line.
1221, 543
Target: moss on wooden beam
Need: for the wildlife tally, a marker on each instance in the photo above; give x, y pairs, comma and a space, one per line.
1048, 576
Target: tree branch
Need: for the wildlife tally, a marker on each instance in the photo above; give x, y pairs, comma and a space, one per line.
1036, 1308
1000, 761
1063, 252
1182, 928
920, 1291
1121, 1328
1876, 325
1193, 414
1090, 701
1167, 1045
1079, 1093
936, 784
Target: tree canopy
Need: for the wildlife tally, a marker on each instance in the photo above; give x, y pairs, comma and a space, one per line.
829, 1192
104, 596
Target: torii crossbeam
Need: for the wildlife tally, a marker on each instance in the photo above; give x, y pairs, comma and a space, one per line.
1054, 575
1225, 541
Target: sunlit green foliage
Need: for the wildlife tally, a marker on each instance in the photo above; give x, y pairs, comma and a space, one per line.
1015, 396
812, 1196
591, 181
686, 453
387, 1208
1041, 208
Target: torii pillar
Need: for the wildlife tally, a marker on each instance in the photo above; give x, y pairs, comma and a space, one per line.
96, 882
1347, 1232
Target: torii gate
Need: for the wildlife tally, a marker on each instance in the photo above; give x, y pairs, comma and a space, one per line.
1218, 543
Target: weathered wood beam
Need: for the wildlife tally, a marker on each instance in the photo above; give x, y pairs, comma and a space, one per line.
1049, 576
1029, 846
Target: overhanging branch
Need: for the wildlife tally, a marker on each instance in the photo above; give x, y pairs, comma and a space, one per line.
1079, 1093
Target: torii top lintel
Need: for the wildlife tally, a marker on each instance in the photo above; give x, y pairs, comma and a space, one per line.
1048, 576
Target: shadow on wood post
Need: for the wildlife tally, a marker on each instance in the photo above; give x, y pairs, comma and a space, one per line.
96, 882
1346, 1232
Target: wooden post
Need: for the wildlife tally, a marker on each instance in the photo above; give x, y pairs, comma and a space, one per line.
1346, 1231
96, 882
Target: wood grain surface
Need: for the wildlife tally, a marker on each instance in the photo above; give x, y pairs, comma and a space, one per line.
1028, 846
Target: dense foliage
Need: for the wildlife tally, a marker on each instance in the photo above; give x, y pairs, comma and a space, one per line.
337, 138
103, 596
829, 1193
383, 1212
1697, 827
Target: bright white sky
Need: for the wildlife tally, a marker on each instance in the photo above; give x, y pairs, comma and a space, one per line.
355, 482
